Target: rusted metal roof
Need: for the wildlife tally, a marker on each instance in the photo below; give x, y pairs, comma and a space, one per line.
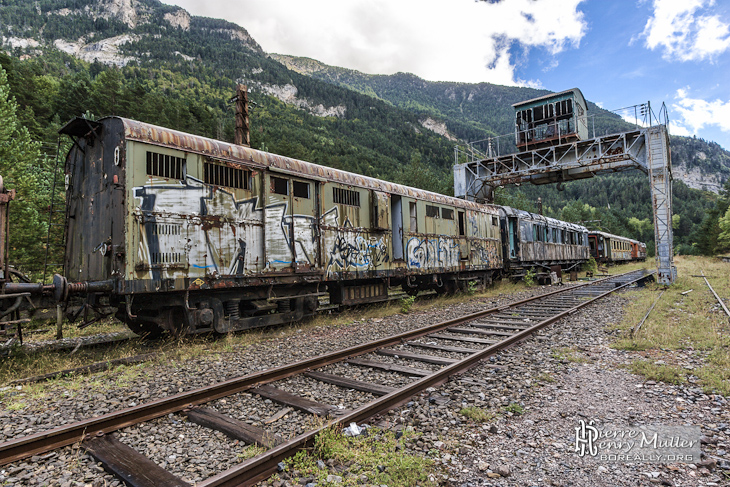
224, 151
574, 91
545, 220
610, 235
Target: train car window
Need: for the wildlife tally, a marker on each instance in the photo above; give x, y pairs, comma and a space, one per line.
300, 189
279, 185
495, 222
551, 110
569, 106
346, 197
538, 113
547, 236
535, 233
414, 216
447, 213
165, 166
432, 211
462, 226
232, 177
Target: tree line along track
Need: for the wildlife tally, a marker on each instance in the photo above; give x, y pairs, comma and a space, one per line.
477, 336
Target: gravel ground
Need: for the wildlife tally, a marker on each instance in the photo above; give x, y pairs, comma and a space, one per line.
532, 449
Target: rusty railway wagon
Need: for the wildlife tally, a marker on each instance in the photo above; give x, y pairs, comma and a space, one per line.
614, 249
189, 234
535, 241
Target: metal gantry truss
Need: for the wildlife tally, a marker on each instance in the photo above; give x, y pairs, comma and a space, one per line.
476, 179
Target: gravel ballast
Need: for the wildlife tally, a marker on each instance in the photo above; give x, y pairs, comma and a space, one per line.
535, 448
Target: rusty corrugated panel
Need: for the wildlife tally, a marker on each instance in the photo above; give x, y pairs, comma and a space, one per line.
153, 134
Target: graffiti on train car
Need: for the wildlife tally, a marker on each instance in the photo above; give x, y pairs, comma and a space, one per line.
351, 249
298, 232
485, 252
171, 217
433, 252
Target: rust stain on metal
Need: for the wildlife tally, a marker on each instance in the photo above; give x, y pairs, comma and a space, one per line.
235, 154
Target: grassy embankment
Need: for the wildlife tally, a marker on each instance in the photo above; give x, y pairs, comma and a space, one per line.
686, 337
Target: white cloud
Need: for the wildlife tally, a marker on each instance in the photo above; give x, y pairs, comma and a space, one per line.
458, 40
687, 30
676, 128
696, 114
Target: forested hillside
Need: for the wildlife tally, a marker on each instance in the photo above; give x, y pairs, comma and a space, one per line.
618, 203
155, 63
475, 111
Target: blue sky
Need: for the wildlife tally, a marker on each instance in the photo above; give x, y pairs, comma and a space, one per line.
618, 52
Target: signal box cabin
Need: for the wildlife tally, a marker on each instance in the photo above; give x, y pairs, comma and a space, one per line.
551, 120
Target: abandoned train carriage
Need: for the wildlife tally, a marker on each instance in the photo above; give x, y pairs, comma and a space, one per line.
614, 249
177, 228
532, 240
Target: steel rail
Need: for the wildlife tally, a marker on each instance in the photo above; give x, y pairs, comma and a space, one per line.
38, 443
727, 312
261, 466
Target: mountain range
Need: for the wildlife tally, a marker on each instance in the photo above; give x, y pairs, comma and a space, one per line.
157, 63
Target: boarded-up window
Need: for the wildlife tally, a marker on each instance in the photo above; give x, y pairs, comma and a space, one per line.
300, 189
345, 197
165, 166
432, 211
447, 213
231, 177
279, 186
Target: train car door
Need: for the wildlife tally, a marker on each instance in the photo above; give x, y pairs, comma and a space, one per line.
463, 243
396, 215
279, 224
512, 224
305, 224
593, 243
292, 224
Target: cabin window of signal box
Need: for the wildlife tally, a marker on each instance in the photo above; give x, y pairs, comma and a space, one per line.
165, 166
231, 177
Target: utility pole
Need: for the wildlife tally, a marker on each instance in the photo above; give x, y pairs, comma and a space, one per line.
243, 134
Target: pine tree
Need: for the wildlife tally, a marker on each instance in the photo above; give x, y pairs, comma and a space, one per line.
20, 168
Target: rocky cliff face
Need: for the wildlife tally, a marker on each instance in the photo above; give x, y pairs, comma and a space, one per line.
91, 46
696, 179
288, 94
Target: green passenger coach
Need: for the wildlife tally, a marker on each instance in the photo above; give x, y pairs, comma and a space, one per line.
191, 232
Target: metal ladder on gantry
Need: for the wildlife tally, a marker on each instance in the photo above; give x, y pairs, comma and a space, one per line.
644, 148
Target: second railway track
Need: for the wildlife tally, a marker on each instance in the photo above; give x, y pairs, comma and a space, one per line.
440, 350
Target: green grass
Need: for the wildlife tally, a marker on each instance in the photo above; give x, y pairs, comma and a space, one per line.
658, 372
477, 414
691, 323
376, 457
567, 353
515, 409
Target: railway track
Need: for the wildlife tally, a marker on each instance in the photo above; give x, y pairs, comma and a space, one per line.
472, 338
